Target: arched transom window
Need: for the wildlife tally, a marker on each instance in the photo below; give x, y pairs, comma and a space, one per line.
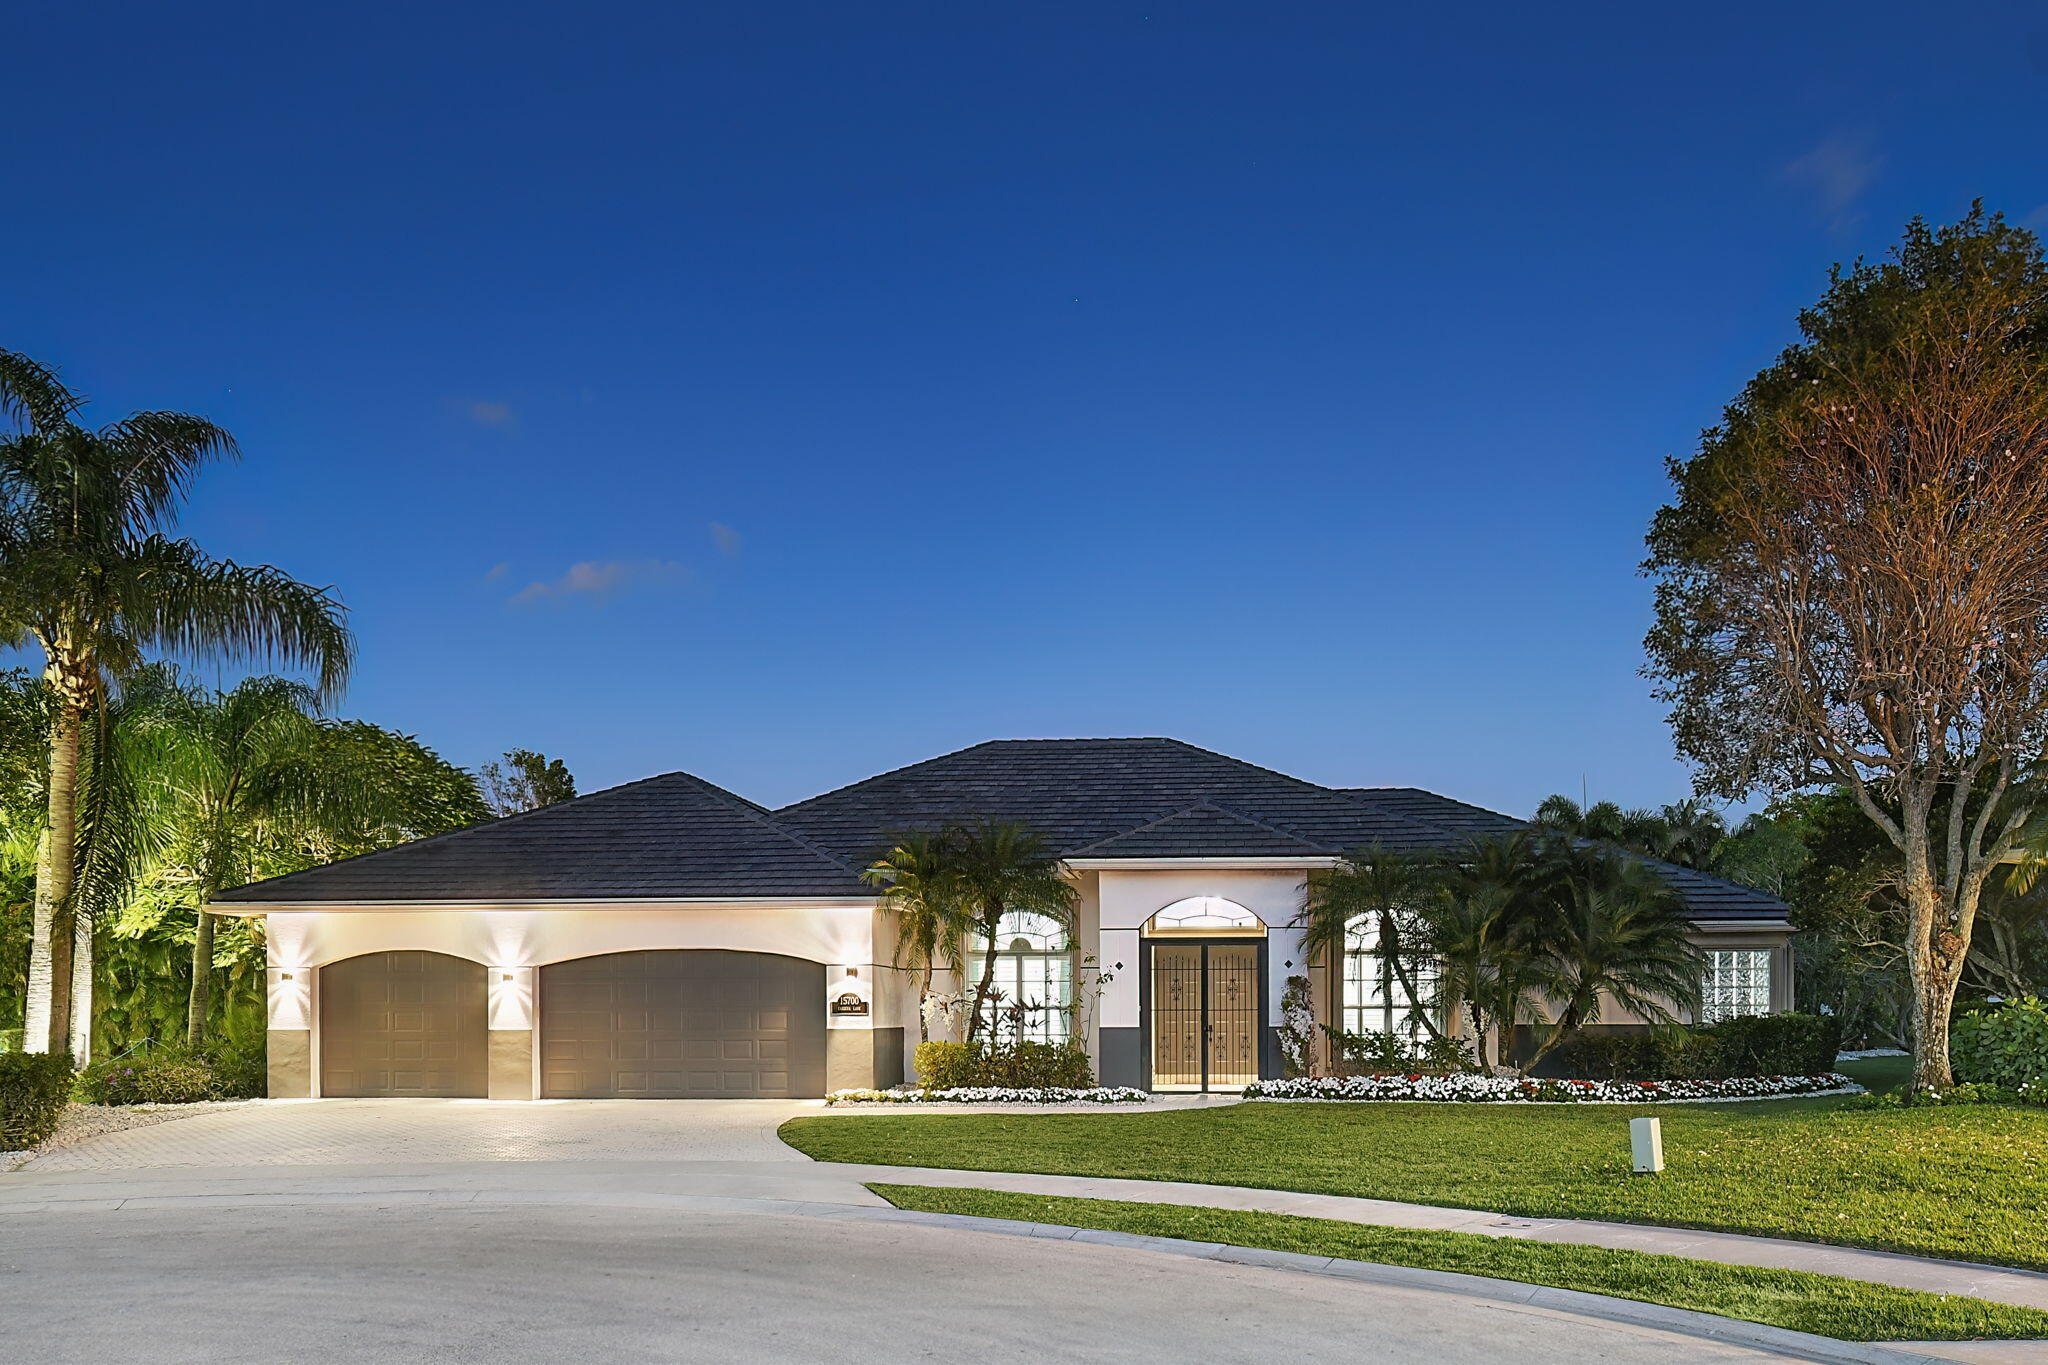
1212, 915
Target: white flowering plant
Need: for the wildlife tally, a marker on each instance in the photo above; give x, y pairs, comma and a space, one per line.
1474, 1089
994, 1094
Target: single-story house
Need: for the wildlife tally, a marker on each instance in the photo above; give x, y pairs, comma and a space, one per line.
668, 938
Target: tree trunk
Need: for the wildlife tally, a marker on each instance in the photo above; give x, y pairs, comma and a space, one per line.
1934, 960
924, 995
81, 987
52, 931
993, 922
199, 1000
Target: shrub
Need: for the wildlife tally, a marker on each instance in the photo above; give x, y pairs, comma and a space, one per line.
1036, 1066
240, 1073
1779, 1044
2005, 1047
942, 1066
148, 1078
1375, 1052
1763, 1045
1010, 1066
34, 1087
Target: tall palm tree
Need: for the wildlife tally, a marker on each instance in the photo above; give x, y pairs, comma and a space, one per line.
88, 573
920, 888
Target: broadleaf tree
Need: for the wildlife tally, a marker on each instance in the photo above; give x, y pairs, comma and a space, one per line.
1852, 578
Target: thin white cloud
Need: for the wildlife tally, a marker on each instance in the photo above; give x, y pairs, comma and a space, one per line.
1837, 171
599, 580
2036, 221
497, 415
498, 571
725, 538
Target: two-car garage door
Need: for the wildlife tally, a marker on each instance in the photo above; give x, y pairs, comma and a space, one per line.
697, 1024
667, 1024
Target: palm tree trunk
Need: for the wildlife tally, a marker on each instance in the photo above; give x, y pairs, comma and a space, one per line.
924, 993
992, 921
81, 986
52, 933
200, 1000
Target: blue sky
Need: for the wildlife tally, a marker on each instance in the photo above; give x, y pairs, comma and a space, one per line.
788, 392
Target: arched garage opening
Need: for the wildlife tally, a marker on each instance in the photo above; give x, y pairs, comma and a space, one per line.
672, 1024
404, 1025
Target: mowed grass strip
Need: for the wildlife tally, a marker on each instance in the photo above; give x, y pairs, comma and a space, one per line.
1961, 1182
1849, 1310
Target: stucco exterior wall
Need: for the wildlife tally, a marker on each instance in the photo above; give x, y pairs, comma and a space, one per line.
514, 943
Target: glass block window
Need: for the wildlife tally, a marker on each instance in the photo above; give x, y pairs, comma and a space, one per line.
1375, 1000
1738, 984
1034, 967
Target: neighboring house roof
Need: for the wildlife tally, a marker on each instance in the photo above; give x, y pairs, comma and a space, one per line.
1100, 799
669, 837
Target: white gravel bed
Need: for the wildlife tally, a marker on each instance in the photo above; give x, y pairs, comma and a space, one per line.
83, 1121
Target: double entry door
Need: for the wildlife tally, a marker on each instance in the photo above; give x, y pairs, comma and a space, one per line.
1205, 1015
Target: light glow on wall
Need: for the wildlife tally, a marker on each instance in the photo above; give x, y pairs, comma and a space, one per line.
290, 997
511, 997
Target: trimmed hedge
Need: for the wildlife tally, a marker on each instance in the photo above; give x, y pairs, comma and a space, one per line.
2005, 1047
1010, 1066
1765, 1045
34, 1087
148, 1078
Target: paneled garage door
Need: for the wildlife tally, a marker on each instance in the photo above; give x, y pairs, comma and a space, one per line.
682, 1024
403, 1024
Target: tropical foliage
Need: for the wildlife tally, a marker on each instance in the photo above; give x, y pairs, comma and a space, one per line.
1507, 929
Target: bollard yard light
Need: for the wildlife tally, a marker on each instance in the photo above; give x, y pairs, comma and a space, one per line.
1646, 1144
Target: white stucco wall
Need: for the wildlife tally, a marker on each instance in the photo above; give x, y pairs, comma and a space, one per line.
1125, 900
515, 942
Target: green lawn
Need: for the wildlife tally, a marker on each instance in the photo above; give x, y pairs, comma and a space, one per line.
1968, 1182
1878, 1074
1847, 1309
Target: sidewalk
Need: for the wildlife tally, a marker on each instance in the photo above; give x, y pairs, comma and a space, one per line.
2025, 1288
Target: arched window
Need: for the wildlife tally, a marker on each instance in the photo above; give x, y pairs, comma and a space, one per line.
1205, 915
1034, 971
1375, 998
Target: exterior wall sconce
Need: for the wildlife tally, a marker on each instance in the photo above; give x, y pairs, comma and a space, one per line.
284, 976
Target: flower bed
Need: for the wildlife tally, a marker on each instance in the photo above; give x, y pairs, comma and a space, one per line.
990, 1094
1468, 1089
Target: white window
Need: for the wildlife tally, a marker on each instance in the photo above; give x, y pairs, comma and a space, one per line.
1375, 1000
1738, 983
1035, 970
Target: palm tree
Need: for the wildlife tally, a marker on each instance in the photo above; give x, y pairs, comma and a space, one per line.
1482, 930
88, 573
920, 888
236, 764
1389, 893
992, 867
1611, 930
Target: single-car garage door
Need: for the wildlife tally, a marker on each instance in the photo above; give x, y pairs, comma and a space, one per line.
404, 1024
682, 1024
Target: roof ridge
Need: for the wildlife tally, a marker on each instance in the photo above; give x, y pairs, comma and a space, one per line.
762, 816
1211, 803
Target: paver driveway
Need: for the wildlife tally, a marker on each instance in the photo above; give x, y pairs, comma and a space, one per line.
412, 1132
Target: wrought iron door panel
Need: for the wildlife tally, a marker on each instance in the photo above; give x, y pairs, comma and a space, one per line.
1204, 1015
1233, 984
1177, 1014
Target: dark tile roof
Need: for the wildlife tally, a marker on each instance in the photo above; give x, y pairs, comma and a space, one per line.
678, 836
1081, 792
673, 836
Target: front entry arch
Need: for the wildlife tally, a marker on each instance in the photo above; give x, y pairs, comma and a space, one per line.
409, 1025
675, 1023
